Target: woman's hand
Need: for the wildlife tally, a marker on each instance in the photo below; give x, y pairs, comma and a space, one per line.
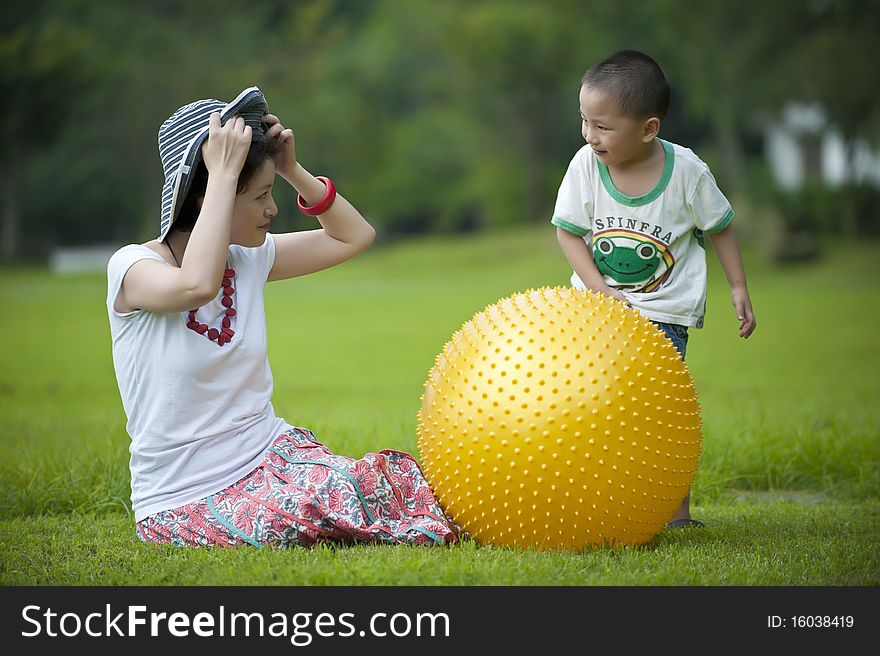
285, 159
227, 146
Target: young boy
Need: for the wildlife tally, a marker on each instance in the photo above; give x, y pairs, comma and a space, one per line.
633, 209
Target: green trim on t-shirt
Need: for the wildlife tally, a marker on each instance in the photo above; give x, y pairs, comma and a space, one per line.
569, 227
633, 201
723, 223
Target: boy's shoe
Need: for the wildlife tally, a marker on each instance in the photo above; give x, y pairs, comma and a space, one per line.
685, 523
459, 533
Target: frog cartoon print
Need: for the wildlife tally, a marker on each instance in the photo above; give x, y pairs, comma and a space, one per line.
634, 261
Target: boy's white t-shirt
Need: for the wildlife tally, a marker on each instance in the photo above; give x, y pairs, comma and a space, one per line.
650, 247
200, 415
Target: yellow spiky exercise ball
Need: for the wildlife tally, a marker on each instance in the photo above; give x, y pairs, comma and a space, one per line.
559, 419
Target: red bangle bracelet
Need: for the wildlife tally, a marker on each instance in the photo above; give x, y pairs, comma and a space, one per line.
322, 205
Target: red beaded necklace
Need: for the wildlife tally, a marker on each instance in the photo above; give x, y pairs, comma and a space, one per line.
225, 333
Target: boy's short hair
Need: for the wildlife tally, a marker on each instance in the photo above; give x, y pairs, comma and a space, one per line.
635, 80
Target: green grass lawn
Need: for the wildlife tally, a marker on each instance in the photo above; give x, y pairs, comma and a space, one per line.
788, 481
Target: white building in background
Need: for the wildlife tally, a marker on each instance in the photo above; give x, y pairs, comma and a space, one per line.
81, 259
803, 145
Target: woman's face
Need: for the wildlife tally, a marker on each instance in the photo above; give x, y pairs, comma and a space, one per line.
254, 208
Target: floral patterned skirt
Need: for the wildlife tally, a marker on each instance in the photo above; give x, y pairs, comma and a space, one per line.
302, 494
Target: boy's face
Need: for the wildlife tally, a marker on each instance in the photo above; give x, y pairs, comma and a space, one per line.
616, 139
254, 208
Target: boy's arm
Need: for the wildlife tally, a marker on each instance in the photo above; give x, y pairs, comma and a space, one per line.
727, 249
580, 259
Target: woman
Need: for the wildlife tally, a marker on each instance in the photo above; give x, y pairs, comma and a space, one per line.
211, 464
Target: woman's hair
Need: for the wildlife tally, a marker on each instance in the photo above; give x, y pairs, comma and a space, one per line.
634, 80
261, 150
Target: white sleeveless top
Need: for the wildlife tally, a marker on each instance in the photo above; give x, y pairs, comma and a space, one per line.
200, 416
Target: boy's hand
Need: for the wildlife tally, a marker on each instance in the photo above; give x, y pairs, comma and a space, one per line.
616, 293
743, 306
285, 159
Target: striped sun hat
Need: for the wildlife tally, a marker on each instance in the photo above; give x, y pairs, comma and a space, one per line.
181, 138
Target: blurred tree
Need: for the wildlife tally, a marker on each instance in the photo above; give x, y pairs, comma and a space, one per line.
42, 69
385, 115
740, 63
430, 116
523, 62
99, 179
722, 58
833, 62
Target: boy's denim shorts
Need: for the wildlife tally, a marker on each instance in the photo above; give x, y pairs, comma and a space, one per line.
678, 335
